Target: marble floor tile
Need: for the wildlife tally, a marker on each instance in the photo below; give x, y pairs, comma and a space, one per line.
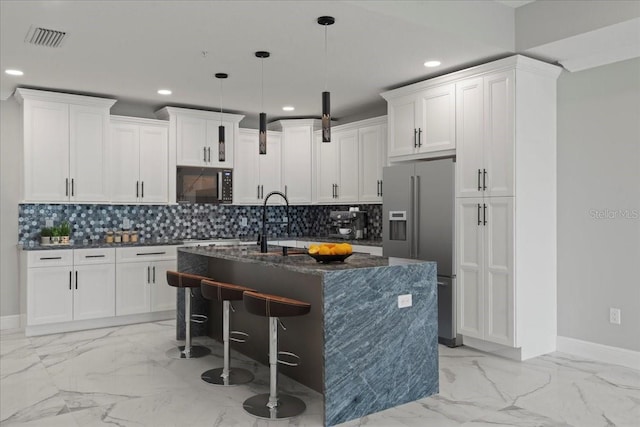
120, 376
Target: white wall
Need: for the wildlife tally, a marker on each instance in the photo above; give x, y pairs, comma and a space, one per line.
599, 175
10, 178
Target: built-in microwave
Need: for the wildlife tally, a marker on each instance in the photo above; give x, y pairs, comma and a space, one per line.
204, 185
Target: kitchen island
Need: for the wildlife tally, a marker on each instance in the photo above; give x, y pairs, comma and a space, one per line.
356, 346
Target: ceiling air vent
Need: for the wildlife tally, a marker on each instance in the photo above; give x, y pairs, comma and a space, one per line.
45, 37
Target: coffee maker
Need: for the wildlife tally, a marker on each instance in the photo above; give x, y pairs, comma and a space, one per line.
348, 225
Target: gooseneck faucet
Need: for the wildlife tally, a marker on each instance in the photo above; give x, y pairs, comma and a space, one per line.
263, 238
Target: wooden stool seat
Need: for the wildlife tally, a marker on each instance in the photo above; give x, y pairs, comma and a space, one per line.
184, 280
267, 305
219, 291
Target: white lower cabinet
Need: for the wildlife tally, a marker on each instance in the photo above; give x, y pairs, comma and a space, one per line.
141, 284
66, 285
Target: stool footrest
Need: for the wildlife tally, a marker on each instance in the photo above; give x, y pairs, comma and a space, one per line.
288, 354
199, 318
241, 338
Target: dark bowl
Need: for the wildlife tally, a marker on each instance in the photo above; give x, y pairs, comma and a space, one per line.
329, 258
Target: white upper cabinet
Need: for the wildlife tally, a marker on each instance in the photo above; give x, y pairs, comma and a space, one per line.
256, 175
337, 167
421, 122
486, 139
140, 161
372, 158
66, 147
297, 148
195, 136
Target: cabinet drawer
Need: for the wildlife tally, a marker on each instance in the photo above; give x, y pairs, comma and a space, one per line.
94, 256
146, 253
50, 258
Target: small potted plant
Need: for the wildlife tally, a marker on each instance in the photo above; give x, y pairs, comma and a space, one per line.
65, 232
45, 236
55, 235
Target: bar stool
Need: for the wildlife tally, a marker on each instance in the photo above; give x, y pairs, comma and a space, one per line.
187, 281
273, 405
226, 293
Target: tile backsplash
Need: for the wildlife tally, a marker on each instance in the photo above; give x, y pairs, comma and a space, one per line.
175, 222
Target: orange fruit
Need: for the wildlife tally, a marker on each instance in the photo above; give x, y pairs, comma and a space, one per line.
340, 250
324, 250
314, 249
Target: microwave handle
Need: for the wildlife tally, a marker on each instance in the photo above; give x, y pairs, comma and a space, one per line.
220, 186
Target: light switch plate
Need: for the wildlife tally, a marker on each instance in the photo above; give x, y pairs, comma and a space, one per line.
243, 222
404, 301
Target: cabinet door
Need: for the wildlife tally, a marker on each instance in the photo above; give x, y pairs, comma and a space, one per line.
371, 161
124, 165
499, 107
347, 144
154, 164
89, 153
296, 163
94, 294
437, 119
191, 141
270, 166
326, 169
470, 297
469, 135
402, 126
46, 151
50, 295
163, 296
498, 271
132, 288
246, 173
213, 144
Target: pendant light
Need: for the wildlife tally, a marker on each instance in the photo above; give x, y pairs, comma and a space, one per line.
326, 101
221, 147
262, 135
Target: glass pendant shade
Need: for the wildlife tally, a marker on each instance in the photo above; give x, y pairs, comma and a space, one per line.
262, 138
221, 147
326, 117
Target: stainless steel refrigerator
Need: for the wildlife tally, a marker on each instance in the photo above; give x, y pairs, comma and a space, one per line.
418, 205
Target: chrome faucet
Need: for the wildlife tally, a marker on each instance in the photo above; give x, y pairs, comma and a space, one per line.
262, 239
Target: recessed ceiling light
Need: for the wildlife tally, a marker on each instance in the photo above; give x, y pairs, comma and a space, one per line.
288, 108
164, 92
432, 63
14, 72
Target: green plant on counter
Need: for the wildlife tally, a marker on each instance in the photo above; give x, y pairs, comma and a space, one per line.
46, 232
65, 229
55, 232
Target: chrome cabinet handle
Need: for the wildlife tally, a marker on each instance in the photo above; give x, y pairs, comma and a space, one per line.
94, 256
479, 222
484, 179
66, 187
484, 213
415, 137
419, 137
479, 187
150, 253
50, 257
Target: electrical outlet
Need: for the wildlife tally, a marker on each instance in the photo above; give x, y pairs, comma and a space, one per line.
48, 222
614, 316
126, 223
243, 222
404, 301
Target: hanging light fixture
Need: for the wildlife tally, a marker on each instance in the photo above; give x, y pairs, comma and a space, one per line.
326, 96
262, 135
221, 147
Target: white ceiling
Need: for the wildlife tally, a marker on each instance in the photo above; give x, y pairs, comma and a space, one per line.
130, 49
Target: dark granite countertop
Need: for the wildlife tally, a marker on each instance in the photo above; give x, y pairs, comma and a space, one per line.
96, 245
299, 262
326, 239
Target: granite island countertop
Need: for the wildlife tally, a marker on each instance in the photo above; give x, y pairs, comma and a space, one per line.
299, 261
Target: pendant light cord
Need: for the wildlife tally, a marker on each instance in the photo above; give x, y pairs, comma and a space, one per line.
326, 60
262, 85
220, 102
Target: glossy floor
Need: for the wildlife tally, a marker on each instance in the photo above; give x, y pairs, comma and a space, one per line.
121, 377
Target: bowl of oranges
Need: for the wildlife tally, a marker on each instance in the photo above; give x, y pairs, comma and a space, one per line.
330, 252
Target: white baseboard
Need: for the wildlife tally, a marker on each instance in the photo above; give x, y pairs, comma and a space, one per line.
10, 322
599, 352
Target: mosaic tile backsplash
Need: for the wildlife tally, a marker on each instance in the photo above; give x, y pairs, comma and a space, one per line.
177, 222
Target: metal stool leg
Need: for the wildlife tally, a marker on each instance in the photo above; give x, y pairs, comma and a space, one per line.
226, 375
272, 405
188, 351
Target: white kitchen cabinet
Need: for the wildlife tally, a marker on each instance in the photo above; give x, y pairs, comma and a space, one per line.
140, 161
486, 138
485, 269
256, 175
372, 158
337, 167
421, 121
194, 134
66, 147
65, 285
141, 284
297, 169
